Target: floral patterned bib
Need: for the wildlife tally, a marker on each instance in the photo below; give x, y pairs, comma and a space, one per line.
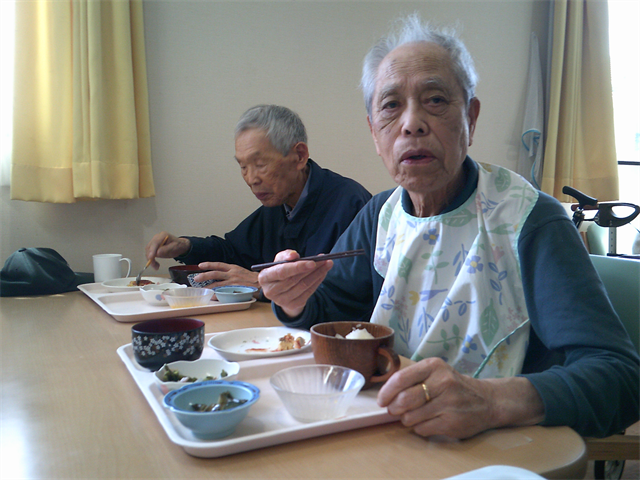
452, 286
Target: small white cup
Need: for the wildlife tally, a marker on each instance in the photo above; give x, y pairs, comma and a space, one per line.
106, 266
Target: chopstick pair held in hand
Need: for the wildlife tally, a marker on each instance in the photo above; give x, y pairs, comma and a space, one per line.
314, 258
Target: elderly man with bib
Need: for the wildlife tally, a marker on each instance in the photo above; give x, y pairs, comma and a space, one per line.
484, 279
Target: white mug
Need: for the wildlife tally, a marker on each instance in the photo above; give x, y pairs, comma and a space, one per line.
106, 266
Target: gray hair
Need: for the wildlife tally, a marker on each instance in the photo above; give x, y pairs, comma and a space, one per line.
410, 29
283, 127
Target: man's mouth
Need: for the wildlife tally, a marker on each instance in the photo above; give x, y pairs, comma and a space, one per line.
261, 195
417, 156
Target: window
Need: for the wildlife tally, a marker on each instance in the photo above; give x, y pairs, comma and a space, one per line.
624, 44
6, 88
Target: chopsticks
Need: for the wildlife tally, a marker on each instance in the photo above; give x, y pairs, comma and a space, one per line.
314, 258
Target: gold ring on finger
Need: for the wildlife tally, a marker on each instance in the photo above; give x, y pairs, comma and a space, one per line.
427, 397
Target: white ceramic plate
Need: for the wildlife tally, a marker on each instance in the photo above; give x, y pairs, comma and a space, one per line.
252, 343
119, 285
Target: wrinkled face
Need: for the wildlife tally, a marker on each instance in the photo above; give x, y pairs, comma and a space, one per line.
273, 178
420, 123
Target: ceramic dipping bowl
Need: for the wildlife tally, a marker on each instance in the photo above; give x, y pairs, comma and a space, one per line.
234, 293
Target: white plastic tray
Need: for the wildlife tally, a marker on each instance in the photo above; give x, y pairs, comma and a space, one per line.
268, 423
131, 307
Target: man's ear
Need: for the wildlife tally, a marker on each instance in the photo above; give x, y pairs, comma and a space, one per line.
472, 115
302, 154
373, 134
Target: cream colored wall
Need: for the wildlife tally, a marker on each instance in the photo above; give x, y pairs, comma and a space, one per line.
208, 61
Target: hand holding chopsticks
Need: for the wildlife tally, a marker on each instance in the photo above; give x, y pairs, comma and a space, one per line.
139, 277
314, 258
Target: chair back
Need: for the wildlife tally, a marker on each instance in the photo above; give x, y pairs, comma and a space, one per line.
598, 238
621, 278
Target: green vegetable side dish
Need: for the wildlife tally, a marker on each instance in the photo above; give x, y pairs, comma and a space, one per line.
175, 376
225, 402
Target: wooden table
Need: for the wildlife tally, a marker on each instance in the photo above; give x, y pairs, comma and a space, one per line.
69, 409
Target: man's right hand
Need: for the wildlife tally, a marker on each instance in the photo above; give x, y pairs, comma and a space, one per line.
173, 247
289, 285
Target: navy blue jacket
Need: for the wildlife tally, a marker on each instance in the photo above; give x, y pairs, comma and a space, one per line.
331, 203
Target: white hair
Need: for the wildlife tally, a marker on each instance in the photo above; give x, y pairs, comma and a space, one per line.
283, 127
411, 29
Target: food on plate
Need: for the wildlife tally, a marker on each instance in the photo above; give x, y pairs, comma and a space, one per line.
288, 342
225, 402
170, 375
357, 334
133, 283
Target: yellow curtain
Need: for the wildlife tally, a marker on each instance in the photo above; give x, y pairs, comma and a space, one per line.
580, 147
81, 116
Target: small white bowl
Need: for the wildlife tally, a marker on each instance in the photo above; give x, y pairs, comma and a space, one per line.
202, 370
154, 294
234, 293
313, 393
188, 297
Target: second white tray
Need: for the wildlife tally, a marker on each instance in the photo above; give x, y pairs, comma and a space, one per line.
131, 307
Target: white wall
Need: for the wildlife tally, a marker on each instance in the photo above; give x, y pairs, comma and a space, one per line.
208, 61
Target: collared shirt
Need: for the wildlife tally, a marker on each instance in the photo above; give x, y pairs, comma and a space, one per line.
292, 212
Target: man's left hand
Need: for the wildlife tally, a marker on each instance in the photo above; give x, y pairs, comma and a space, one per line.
227, 274
456, 405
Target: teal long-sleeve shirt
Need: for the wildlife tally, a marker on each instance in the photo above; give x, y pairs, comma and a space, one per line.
580, 358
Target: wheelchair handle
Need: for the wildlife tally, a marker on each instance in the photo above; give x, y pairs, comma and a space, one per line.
605, 217
583, 200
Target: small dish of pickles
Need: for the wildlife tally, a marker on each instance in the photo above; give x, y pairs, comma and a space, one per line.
212, 409
178, 374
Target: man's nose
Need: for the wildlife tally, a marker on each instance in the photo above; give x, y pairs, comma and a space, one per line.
251, 176
414, 120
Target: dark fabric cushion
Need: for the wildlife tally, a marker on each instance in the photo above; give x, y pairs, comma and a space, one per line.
39, 271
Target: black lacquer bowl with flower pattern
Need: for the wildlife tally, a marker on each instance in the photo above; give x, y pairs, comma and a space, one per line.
156, 342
